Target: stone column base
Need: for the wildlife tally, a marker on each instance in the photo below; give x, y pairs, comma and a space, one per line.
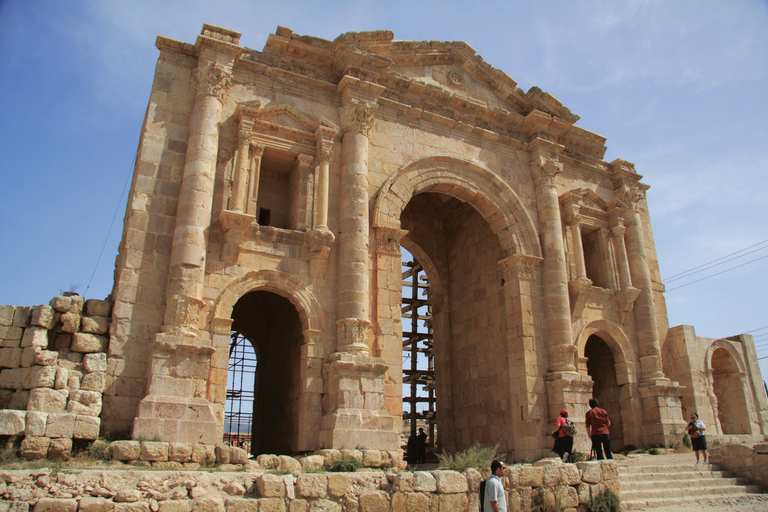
570, 391
663, 421
357, 420
179, 420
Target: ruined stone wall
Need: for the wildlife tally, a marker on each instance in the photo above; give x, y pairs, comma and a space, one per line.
53, 364
553, 486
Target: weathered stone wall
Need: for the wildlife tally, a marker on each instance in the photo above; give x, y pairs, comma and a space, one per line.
53, 366
555, 485
747, 461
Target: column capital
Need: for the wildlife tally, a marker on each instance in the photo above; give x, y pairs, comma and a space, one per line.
357, 116
617, 231
324, 148
629, 196
519, 266
544, 170
304, 160
212, 79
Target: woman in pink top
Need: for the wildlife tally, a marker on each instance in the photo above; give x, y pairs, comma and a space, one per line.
563, 442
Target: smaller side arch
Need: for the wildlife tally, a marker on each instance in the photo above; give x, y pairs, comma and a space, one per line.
728, 347
280, 283
614, 337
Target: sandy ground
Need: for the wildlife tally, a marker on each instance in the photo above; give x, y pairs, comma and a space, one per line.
746, 503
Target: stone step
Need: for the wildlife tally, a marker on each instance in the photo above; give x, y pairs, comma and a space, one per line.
679, 493
682, 484
675, 477
643, 504
678, 468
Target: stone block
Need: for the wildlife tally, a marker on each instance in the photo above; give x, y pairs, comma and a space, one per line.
11, 336
372, 458
424, 482
68, 303
87, 403
86, 427
312, 463
222, 453
203, 454
19, 400
60, 424
34, 447
42, 316
94, 324
551, 476
590, 471
289, 465
29, 355
94, 307
453, 502
56, 505
267, 461
47, 400
154, 451
62, 379
13, 378
609, 470
278, 505
124, 450
89, 343
270, 486
312, 486
531, 476
60, 449
403, 482
35, 337
36, 423
338, 484
95, 362
89, 504
40, 377
21, 316
180, 452
10, 357
569, 474
6, 315
96, 381
450, 482
238, 456
379, 502
12, 423
46, 357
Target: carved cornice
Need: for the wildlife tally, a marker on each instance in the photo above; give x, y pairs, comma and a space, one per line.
212, 79
357, 116
519, 266
388, 240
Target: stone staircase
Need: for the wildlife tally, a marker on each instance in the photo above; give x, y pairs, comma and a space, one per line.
651, 486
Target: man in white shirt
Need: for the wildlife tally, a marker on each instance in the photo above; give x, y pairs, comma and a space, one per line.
495, 497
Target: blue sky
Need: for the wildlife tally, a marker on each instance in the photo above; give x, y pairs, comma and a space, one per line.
680, 88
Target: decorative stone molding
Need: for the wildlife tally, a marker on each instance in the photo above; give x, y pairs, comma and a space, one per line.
357, 116
212, 80
235, 225
579, 291
388, 240
519, 266
353, 335
182, 314
626, 298
562, 358
320, 243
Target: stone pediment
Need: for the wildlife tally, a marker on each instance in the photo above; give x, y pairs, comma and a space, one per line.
277, 117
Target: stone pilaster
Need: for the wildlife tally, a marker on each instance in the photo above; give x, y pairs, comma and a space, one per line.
324, 152
240, 178
177, 407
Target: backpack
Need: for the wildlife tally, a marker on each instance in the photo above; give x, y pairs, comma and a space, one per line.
569, 428
482, 495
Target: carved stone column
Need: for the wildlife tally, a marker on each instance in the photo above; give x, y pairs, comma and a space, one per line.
544, 168
240, 179
257, 152
574, 228
353, 299
617, 235
302, 189
177, 407
324, 151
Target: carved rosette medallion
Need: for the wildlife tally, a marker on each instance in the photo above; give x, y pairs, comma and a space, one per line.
357, 116
182, 314
544, 171
212, 80
519, 266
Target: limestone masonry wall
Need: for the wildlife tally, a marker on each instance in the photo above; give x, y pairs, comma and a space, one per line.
551, 483
53, 365
749, 462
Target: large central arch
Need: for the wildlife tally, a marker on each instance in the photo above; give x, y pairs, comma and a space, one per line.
510, 255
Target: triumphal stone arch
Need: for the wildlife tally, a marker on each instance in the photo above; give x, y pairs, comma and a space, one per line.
274, 195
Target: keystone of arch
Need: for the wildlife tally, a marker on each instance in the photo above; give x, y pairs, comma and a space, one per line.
467, 181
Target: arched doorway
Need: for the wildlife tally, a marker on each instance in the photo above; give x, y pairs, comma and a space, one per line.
601, 368
728, 387
266, 327
457, 248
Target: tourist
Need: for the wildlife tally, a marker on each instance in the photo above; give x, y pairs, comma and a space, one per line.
421, 447
563, 442
495, 497
695, 429
597, 428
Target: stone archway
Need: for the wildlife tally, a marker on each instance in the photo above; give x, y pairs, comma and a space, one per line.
728, 387
608, 360
276, 291
464, 224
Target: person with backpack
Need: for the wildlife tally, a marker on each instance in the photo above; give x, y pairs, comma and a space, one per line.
563, 434
492, 495
597, 428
